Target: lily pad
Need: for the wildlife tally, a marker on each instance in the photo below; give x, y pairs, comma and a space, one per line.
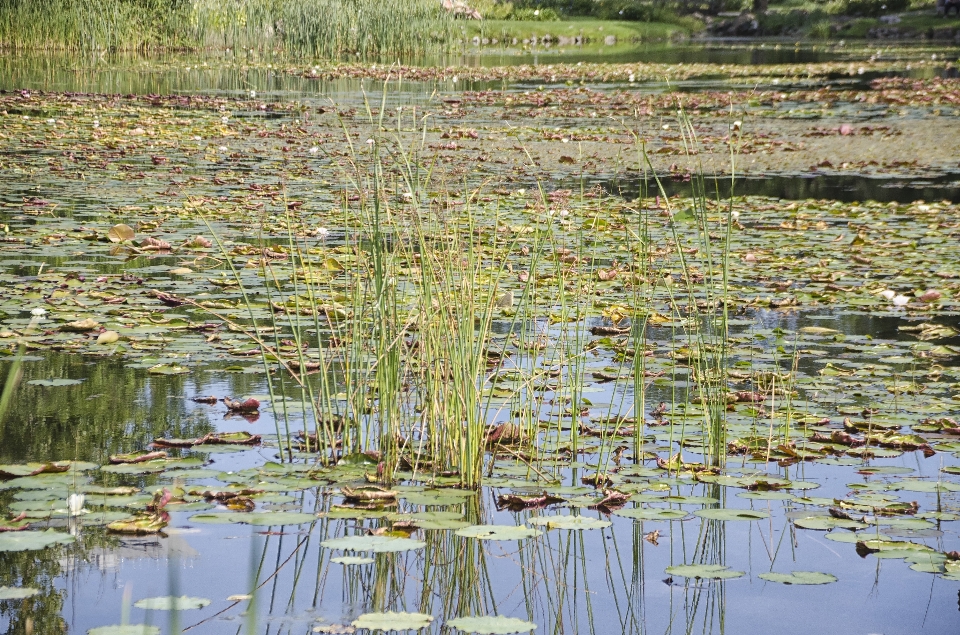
569, 522
376, 544
726, 513
32, 540
799, 577
706, 571
824, 523
492, 625
498, 532
262, 519
53, 383
393, 621
652, 513
170, 603
352, 560
17, 593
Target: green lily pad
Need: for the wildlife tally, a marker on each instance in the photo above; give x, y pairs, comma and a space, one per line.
726, 513
392, 621
434, 520
892, 546
498, 532
825, 523
17, 593
799, 577
652, 513
32, 540
352, 560
53, 383
492, 625
569, 522
376, 544
766, 496
261, 519
170, 603
706, 571
437, 498
147, 467
688, 500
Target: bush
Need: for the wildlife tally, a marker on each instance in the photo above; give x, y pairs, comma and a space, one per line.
789, 22
821, 30
866, 8
537, 15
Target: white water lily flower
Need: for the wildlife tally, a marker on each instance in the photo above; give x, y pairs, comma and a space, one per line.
735, 126
901, 300
75, 504
735, 215
888, 294
323, 232
38, 312
314, 150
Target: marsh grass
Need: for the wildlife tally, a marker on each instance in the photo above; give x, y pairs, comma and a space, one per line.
328, 29
387, 339
701, 302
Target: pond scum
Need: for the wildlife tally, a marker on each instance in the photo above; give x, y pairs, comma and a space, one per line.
453, 363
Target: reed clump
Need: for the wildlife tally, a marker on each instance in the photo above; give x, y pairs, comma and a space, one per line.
325, 29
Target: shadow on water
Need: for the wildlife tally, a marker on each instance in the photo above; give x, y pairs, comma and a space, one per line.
813, 185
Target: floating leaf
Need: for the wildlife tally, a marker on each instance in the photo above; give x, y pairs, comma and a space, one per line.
376, 544
267, 519
352, 560
707, 571
569, 522
652, 513
392, 621
726, 513
17, 593
52, 383
170, 603
498, 532
108, 337
799, 577
32, 540
824, 523
492, 625
121, 233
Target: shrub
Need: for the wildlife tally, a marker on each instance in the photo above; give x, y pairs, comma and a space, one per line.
866, 8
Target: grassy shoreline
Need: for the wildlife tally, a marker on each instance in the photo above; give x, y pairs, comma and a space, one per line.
585, 30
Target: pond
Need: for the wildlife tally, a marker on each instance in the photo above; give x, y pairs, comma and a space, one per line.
290, 349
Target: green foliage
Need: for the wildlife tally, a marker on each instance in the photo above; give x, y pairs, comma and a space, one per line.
536, 15
793, 21
866, 8
321, 28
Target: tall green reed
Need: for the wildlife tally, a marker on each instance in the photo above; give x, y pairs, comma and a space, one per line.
328, 29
